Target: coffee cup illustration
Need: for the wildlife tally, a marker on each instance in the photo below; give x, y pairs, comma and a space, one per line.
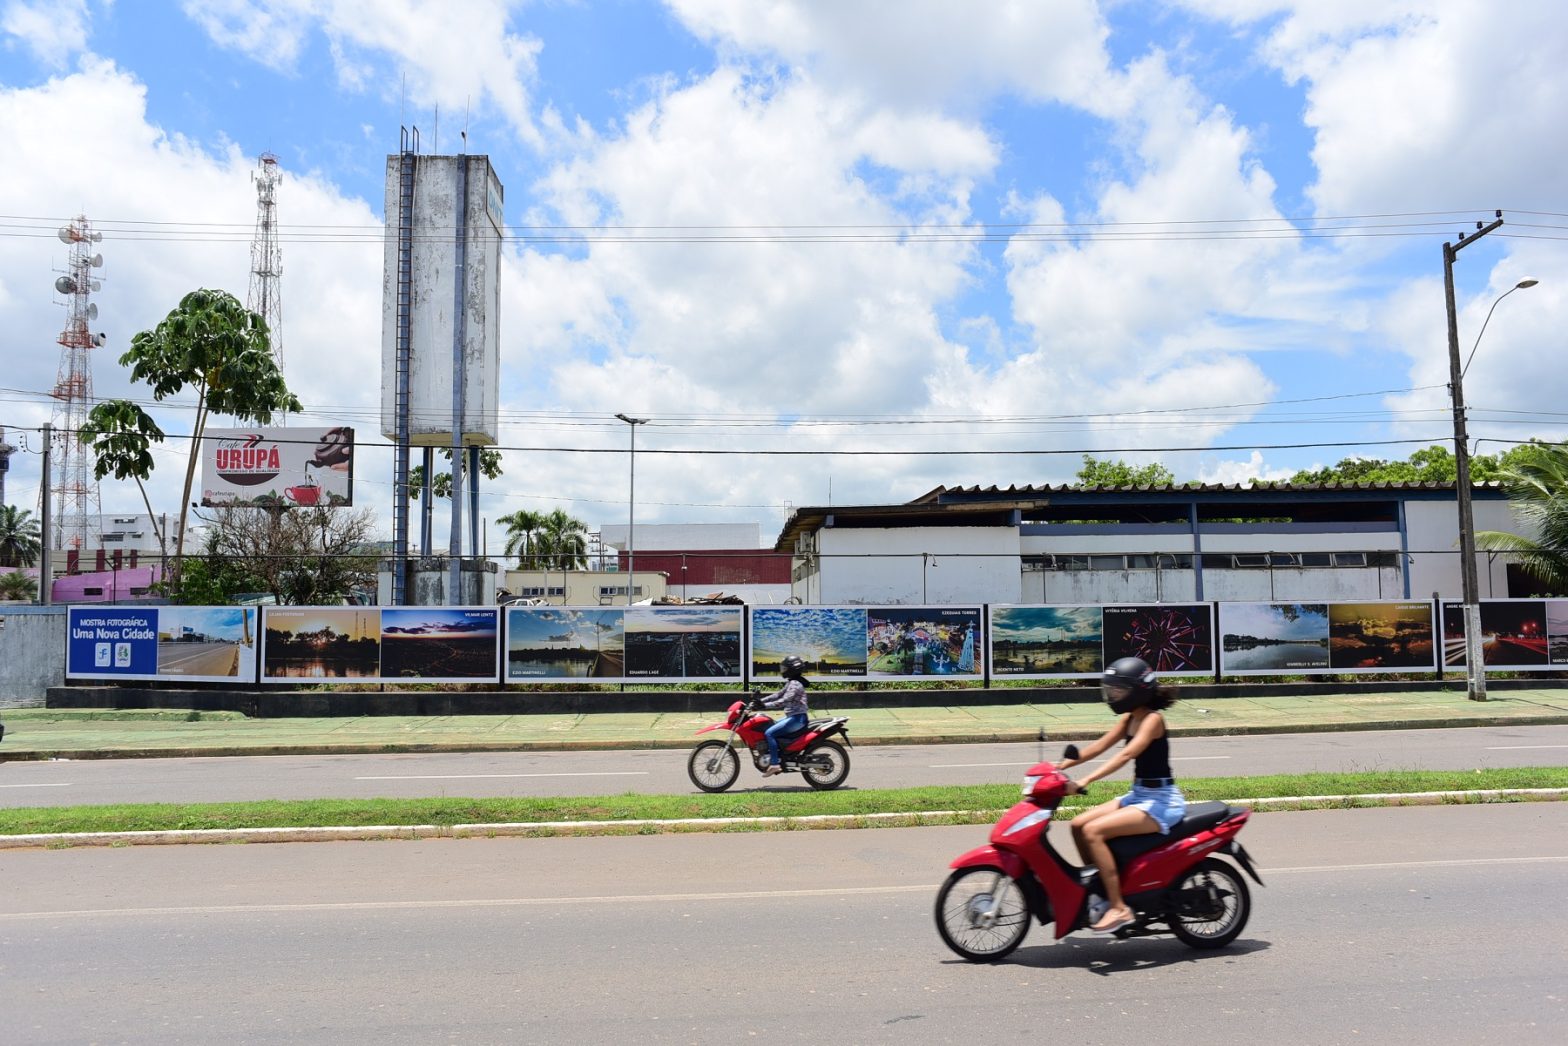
306, 494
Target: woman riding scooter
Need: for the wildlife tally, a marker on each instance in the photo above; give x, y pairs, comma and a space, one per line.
1155, 804
791, 697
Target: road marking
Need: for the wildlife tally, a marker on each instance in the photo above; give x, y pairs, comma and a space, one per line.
470, 777
660, 898
1511, 748
51, 784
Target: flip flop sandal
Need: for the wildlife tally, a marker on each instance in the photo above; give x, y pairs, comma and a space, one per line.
1120, 924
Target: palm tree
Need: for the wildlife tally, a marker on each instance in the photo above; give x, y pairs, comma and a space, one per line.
563, 542
520, 527
20, 540
1538, 488
16, 585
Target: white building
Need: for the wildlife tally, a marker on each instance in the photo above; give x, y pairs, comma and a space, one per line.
1061, 545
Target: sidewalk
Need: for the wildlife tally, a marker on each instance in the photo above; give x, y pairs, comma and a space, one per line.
36, 733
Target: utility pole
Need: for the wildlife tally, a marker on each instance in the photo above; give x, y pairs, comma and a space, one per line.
1475, 670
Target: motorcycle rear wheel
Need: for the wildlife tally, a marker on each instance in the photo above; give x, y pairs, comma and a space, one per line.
713, 766
981, 913
831, 766
1212, 905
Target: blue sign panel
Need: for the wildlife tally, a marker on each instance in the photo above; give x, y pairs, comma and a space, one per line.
110, 642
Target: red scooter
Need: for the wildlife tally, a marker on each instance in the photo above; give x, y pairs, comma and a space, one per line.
714, 765
1173, 883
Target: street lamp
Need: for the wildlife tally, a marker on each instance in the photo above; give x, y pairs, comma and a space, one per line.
1475, 671
631, 509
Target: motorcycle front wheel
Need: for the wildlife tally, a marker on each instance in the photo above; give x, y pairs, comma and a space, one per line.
981, 913
825, 765
713, 766
1211, 905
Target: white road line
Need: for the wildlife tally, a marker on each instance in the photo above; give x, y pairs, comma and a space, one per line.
1513, 748
470, 777
664, 898
51, 784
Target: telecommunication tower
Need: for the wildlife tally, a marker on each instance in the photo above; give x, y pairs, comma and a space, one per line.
77, 506
266, 256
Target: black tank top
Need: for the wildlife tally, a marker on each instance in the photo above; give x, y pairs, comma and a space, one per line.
1155, 760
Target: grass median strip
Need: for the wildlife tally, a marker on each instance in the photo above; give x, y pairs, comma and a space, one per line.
982, 801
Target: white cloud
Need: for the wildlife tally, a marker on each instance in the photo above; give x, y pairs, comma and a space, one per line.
455, 53
54, 30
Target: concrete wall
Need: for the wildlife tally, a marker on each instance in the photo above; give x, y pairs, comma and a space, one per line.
32, 653
919, 565
1434, 547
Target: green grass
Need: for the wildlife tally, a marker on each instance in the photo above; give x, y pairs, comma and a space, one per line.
981, 802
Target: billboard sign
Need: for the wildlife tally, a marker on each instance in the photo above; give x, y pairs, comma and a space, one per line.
380, 644
665, 644
193, 644
278, 468
1065, 642
1287, 638
869, 642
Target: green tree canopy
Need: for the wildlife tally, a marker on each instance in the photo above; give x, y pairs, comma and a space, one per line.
212, 344
441, 482
562, 543
16, 585
21, 541
1434, 464
1537, 484
1118, 473
520, 529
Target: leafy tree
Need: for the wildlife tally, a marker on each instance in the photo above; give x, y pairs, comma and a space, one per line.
520, 528
1434, 464
121, 434
16, 585
303, 556
1538, 487
213, 344
1118, 473
563, 543
441, 482
21, 541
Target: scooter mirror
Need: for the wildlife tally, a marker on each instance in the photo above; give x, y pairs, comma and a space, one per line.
1070, 752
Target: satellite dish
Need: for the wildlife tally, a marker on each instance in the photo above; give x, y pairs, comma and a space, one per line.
97, 286
92, 310
98, 340
67, 234
65, 285
97, 237
97, 261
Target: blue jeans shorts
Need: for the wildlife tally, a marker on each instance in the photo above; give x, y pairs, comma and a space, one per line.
1166, 805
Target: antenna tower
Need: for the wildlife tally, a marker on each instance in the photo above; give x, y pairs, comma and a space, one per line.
77, 506
266, 256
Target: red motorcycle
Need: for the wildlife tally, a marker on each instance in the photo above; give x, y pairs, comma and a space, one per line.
1173, 883
714, 765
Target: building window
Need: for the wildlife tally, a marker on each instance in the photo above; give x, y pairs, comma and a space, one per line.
112, 538
98, 591
1350, 559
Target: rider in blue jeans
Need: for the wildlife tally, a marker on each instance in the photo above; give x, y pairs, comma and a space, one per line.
791, 697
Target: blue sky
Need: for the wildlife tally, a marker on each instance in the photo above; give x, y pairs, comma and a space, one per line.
1201, 232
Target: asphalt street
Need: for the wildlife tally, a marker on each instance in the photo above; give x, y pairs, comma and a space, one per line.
64, 782
1426, 925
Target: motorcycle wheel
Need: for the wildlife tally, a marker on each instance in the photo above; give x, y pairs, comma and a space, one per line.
1211, 905
713, 766
829, 768
981, 914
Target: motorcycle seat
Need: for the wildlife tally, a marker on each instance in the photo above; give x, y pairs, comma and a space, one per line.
823, 724
1200, 818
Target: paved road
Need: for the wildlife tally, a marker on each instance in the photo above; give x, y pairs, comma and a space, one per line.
199, 659
62, 782
1424, 925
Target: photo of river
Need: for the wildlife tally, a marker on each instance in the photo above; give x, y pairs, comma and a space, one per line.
1273, 638
321, 643
565, 643
1043, 642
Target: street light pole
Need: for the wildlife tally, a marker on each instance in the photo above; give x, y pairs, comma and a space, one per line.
631, 509
1475, 671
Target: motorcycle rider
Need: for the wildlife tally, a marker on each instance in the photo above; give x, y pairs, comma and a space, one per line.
1155, 804
791, 697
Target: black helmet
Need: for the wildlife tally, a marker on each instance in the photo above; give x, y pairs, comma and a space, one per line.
1128, 683
792, 667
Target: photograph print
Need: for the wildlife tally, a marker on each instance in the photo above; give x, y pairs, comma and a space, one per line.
1515, 634
831, 640
1380, 637
696, 642
1172, 639
565, 643
1557, 631
439, 643
1042, 641
321, 643
207, 643
1264, 638
923, 641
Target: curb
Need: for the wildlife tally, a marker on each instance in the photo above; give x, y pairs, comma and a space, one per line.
559, 828
1071, 733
